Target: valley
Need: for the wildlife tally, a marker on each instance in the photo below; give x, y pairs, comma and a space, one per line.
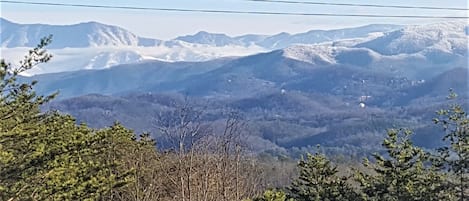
341, 88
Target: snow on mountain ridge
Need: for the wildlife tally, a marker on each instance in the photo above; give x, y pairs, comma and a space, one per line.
214, 39
94, 34
87, 34
445, 36
102, 46
284, 40
314, 54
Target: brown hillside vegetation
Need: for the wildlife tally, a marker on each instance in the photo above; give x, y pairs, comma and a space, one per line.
48, 156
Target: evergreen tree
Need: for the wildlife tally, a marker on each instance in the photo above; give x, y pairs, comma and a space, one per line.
455, 157
401, 174
46, 156
318, 181
273, 195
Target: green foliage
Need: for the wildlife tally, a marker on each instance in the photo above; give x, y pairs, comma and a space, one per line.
136, 164
273, 195
47, 156
455, 156
402, 174
318, 181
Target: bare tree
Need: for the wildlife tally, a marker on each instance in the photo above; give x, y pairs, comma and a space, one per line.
208, 160
182, 127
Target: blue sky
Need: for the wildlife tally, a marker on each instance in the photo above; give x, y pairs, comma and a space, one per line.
166, 25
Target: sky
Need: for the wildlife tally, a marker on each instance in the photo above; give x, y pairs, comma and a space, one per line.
168, 25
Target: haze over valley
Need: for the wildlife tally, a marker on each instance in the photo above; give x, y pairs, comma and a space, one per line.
311, 83
240, 100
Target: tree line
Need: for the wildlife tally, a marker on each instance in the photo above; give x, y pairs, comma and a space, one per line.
48, 156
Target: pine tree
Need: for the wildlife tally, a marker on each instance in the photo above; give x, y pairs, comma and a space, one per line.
273, 195
454, 158
401, 174
46, 156
318, 181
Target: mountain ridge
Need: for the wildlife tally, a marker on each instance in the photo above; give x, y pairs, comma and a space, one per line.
85, 34
437, 46
122, 36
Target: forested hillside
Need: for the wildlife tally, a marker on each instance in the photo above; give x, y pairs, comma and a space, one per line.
339, 88
48, 155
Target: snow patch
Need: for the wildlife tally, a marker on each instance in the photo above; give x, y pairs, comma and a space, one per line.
314, 54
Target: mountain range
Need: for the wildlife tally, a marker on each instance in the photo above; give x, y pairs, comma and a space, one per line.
94, 34
297, 90
89, 34
93, 45
434, 52
283, 40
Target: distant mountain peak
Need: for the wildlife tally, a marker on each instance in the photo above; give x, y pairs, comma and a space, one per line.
3, 20
445, 36
215, 39
86, 34
205, 33
92, 23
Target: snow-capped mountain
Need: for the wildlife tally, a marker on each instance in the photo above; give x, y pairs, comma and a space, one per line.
308, 68
386, 47
93, 45
283, 40
94, 34
420, 65
413, 51
313, 54
213, 39
447, 37
89, 34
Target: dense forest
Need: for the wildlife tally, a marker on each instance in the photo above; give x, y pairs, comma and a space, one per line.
47, 155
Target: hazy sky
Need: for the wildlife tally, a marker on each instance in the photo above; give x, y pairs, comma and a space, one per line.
167, 25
